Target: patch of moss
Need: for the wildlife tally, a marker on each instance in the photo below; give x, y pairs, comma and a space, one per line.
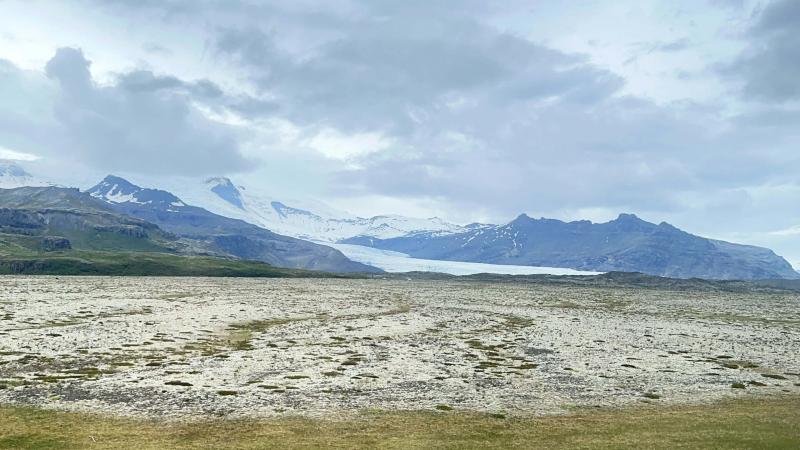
773, 376
526, 366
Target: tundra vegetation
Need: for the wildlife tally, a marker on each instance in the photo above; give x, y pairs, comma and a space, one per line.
125, 361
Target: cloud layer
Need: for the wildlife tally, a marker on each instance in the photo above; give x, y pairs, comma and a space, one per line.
141, 122
479, 111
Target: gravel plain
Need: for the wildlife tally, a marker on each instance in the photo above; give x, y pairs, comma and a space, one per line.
183, 348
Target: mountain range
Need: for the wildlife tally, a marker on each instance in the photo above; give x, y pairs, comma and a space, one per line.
627, 244
63, 230
303, 219
219, 234
217, 217
51, 230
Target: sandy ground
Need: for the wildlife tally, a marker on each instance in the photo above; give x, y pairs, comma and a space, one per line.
200, 347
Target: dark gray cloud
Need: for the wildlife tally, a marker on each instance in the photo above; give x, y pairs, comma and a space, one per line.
477, 116
778, 17
142, 123
384, 71
621, 154
769, 69
145, 81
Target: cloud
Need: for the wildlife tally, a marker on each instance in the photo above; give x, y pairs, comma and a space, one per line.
423, 100
145, 81
333, 144
671, 46
769, 68
728, 3
8, 154
619, 154
464, 108
390, 67
156, 49
141, 123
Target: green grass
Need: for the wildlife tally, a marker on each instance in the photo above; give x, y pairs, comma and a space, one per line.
80, 262
733, 424
239, 336
105, 241
103, 253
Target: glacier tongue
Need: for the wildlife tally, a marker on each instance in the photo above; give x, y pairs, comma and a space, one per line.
321, 224
400, 262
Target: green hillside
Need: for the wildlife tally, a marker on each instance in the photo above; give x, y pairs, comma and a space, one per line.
52, 231
80, 262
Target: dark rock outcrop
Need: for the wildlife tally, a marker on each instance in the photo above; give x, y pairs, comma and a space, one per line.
55, 243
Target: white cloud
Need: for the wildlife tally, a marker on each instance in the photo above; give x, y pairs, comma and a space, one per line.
791, 231
345, 146
6, 153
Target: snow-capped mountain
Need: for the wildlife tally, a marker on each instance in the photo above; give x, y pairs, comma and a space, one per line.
12, 175
221, 235
627, 244
118, 190
302, 219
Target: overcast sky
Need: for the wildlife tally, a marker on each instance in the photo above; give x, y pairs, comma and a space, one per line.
682, 111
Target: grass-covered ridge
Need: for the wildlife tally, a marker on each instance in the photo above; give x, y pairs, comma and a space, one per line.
733, 424
54, 231
79, 262
37, 221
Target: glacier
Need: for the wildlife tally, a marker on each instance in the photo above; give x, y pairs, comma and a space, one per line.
391, 261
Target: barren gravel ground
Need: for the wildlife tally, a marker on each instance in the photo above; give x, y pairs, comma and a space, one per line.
199, 347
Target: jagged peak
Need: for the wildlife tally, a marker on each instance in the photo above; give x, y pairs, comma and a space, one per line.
226, 190
115, 189
631, 222
525, 219
219, 181
629, 217
667, 225
117, 180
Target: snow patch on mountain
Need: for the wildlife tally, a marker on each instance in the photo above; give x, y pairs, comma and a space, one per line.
118, 190
12, 176
303, 219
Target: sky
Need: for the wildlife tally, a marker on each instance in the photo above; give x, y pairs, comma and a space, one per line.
679, 111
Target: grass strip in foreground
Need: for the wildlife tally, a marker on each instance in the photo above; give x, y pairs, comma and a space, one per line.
765, 423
